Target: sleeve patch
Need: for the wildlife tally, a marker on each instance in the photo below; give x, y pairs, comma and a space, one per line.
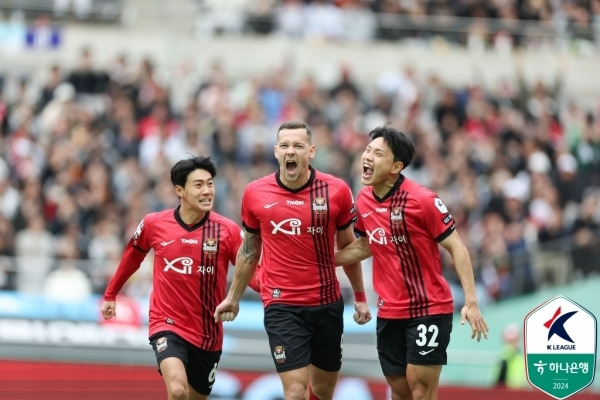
440, 206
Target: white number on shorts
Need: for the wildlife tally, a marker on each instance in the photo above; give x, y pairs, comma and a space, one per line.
422, 340
213, 373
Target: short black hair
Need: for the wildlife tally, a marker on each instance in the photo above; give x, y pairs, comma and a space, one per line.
296, 125
401, 145
182, 168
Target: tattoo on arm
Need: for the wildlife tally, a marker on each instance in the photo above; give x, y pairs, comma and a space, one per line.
250, 250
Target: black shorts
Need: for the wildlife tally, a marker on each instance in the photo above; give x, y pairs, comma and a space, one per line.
418, 341
200, 365
300, 336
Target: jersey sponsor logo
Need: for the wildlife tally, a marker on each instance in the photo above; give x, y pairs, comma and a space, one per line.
315, 230
276, 293
423, 352
365, 215
290, 226
319, 206
447, 219
189, 241
170, 321
269, 205
440, 206
279, 354
294, 202
377, 236
203, 269
210, 247
398, 239
381, 209
181, 265
396, 216
165, 244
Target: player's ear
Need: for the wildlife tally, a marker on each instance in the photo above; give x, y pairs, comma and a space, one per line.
179, 190
397, 167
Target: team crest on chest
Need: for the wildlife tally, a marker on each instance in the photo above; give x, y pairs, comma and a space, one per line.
319, 206
210, 247
396, 216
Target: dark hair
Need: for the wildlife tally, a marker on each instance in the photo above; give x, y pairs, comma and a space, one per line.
181, 169
402, 147
296, 125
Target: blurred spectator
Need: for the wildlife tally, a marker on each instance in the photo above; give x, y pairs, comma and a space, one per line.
358, 22
67, 282
34, 248
510, 370
585, 252
9, 195
553, 264
7, 254
259, 17
520, 258
289, 18
85, 77
81, 8
323, 21
53, 78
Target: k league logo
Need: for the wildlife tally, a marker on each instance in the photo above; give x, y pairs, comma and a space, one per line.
560, 347
556, 326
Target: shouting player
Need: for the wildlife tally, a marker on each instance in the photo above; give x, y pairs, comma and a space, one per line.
293, 219
400, 224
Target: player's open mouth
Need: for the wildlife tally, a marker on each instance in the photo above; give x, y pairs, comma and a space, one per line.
291, 166
367, 171
206, 202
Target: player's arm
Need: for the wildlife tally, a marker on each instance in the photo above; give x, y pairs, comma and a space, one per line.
357, 250
353, 271
246, 261
462, 262
130, 262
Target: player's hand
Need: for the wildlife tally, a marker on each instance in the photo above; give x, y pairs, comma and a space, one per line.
109, 309
362, 314
472, 314
226, 311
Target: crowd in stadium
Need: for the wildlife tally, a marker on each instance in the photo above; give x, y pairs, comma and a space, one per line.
86, 153
363, 20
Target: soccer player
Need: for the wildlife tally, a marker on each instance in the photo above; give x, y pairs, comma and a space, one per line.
193, 248
293, 218
400, 224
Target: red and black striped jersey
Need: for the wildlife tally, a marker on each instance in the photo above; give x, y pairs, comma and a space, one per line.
403, 230
298, 228
189, 275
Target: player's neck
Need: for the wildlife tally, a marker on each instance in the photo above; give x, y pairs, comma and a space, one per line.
383, 188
